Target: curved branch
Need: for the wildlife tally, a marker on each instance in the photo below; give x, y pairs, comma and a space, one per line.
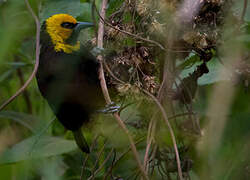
106, 93
170, 130
131, 34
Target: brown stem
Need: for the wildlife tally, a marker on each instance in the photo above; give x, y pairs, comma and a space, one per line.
170, 130
105, 89
111, 73
150, 137
21, 90
151, 128
130, 34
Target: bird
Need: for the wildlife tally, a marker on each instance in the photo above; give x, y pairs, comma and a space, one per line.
67, 75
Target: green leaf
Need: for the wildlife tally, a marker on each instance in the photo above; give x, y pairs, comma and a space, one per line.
127, 18
189, 61
17, 64
128, 42
212, 76
6, 74
72, 7
24, 119
33, 148
114, 5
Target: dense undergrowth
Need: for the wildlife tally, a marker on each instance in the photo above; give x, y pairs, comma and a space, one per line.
192, 56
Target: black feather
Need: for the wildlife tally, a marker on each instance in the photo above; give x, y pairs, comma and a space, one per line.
70, 84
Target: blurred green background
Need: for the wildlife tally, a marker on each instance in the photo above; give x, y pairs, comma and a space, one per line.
33, 145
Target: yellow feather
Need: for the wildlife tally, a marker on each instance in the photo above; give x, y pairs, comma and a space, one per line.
59, 34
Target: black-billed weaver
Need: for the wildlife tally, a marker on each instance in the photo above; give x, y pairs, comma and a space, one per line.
68, 74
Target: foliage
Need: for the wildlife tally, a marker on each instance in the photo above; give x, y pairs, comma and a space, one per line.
206, 96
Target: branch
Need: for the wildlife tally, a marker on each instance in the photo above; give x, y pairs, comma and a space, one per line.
170, 130
152, 128
150, 138
97, 160
101, 166
87, 156
21, 90
105, 89
130, 34
109, 171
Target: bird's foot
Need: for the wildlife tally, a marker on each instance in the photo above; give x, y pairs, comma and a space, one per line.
98, 51
110, 108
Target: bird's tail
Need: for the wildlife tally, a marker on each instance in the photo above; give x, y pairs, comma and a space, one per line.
81, 141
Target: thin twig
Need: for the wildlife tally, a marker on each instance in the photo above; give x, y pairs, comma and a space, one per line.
100, 57
111, 73
105, 89
132, 145
153, 159
151, 129
170, 130
151, 132
98, 159
130, 34
87, 156
121, 156
21, 90
101, 166
111, 167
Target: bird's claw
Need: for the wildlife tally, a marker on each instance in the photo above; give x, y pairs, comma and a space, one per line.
98, 51
110, 108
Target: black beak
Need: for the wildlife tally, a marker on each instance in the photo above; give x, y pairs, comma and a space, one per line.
79, 26
82, 25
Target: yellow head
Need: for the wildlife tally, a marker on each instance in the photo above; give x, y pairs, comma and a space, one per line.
62, 27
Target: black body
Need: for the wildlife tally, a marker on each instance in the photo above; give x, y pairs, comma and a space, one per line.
69, 82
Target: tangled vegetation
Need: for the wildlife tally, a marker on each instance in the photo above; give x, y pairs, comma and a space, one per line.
180, 70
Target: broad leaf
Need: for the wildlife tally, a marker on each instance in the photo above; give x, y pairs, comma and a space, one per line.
35, 147
212, 76
24, 119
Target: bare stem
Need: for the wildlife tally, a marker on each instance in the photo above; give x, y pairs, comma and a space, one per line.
105, 89
170, 130
131, 34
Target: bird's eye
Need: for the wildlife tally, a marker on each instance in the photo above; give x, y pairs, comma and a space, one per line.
68, 25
